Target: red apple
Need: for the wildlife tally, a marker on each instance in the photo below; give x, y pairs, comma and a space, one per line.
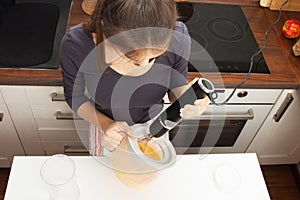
291, 28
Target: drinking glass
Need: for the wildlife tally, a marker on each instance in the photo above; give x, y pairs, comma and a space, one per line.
58, 172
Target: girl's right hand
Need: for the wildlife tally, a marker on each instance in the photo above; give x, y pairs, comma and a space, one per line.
114, 134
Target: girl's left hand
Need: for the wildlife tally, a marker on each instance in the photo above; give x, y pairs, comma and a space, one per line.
191, 111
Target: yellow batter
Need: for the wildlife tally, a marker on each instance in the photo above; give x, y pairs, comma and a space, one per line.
148, 150
141, 180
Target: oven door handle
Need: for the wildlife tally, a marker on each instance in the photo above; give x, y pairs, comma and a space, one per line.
249, 115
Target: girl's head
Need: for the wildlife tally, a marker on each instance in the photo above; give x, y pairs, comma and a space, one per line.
143, 24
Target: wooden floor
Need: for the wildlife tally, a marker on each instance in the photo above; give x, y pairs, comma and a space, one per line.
281, 182
279, 178
4, 173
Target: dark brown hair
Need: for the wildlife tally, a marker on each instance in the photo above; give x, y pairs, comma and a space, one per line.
111, 17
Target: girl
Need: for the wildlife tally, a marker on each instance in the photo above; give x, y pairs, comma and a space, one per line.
127, 57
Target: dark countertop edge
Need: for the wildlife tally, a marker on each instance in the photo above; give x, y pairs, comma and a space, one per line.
216, 84
215, 78
263, 85
251, 83
30, 76
31, 83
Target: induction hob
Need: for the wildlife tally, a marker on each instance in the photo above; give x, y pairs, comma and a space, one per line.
224, 35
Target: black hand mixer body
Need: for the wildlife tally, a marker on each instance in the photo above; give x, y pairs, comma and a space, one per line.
170, 117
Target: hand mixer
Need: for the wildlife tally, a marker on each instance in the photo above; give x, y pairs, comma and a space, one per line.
170, 117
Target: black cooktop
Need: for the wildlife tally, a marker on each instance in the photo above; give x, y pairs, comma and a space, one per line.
222, 40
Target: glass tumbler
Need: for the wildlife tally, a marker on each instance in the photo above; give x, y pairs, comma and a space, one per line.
58, 172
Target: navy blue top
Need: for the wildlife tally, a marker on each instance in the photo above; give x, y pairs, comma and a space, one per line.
134, 99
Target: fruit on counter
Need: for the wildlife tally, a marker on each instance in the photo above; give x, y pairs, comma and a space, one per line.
291, 28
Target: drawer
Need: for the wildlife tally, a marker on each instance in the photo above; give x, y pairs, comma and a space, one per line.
63, 135
41, 95
50, 111
14, 95
68, 148
53, 124
57, 116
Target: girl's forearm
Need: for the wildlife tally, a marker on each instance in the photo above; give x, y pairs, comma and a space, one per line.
89, 113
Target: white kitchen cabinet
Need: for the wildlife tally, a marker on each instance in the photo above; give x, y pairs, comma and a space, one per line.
10, 144
43, 121
59, 130
23, 119
278, 140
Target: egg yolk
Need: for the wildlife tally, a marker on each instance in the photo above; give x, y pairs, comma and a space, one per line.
148, 150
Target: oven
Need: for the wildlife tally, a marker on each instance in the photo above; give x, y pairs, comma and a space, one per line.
225, 129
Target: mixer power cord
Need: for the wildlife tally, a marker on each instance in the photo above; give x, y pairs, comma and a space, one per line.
214, 96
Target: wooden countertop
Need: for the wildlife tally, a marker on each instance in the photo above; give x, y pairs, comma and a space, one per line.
284, 66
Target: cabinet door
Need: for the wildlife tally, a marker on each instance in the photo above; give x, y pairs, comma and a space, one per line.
21, 114
277, 142
10, 144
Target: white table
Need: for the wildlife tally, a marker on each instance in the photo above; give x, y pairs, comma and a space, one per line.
213, 176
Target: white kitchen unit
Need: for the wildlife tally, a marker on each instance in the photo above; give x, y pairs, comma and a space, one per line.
10, 144
21, 115
192, 177
57, 127
278, 140
42, 120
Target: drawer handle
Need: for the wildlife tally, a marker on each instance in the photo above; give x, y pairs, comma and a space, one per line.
1, 116
66, 116
249, 115
284, 106
69, 149
57, 97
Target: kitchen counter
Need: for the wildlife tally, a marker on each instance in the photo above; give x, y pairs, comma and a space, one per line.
213, 176
284, 66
